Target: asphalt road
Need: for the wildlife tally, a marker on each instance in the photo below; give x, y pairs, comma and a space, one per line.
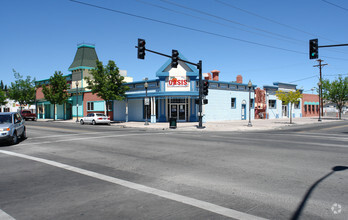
69, 171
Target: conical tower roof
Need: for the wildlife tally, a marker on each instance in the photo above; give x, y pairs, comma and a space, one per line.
85, 57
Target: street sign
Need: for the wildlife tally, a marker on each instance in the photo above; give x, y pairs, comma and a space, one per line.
147, 101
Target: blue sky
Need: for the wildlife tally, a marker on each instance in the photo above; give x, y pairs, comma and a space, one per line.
39, 37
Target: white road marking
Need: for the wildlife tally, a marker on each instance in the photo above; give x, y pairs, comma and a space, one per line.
64, 135
5, 216
318, 136
161, 193
86, 138
343, 145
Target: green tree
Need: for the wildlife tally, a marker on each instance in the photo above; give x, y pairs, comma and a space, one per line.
336, 92
289, 97
22, 90
107, 83
56, 91
2, 94
3, 97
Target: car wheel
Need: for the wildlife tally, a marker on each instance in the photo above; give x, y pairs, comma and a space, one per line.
14, 139
93, 122
81, 122
24, 134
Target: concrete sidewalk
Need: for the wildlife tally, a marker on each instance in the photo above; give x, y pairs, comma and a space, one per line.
237, 125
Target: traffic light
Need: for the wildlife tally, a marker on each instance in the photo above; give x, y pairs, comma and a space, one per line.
205, 101
175, 58
141, 48
205, 87
313, 49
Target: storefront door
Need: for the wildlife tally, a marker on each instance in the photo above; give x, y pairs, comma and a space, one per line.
182, 112
174, 111
285, 110
243, 112
178, 111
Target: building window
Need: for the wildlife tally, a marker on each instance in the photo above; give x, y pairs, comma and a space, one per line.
312, 108
297, 105
305, 108
317, 108
272, 104
251, 103
90, 106
233, 102
6, 109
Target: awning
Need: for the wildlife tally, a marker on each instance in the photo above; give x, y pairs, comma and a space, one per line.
311, 103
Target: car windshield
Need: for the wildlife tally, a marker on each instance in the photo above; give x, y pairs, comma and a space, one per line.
98, 114
5, 119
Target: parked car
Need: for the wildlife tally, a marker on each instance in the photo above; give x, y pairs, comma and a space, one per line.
27, 114
95, 118
12, 127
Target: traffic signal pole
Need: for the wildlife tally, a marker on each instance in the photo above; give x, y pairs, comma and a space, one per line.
200, 112
200, 83
314, 54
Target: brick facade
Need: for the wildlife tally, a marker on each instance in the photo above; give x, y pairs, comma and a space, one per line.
88, 97
309, 106
39, 94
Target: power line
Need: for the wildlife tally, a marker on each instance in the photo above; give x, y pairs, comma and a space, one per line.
344, 74
229, 20
211, 21
185, 27
304, 79
270, 20
241, 24
338, 6
318, 77
192, 29
336, 58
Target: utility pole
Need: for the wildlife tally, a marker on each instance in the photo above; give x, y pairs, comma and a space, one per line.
320, 89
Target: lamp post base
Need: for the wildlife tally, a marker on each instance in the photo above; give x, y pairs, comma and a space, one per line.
249, 124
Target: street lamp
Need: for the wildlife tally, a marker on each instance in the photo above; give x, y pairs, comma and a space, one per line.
319, 85
249, 86
77, 101
146, 101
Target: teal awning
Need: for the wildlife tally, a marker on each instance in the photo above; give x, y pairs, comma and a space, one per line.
311, 103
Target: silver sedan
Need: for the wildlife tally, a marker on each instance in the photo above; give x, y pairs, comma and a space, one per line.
95, 118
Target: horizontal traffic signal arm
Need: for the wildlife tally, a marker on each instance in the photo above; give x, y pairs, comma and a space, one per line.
165, 55
334, 45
